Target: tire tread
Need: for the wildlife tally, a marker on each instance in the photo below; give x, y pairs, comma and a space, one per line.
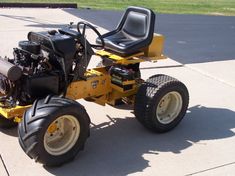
146, 96
36, 116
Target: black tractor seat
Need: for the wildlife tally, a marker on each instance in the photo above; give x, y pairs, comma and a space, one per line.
133, 34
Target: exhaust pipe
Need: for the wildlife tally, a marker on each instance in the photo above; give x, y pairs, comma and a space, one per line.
12, 72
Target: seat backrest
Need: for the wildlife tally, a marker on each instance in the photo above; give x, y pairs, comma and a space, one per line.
138, 23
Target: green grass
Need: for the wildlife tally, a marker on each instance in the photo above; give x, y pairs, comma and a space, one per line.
213, 7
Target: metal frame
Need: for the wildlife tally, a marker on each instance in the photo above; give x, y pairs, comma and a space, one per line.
97, 86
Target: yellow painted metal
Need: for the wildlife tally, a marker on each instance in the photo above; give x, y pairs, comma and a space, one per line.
18, 119
120, 89
15, 113
101, 100
118, 93
119, 59
155, 49
52, 128
128, 82
96, 84
95, 72
98, 87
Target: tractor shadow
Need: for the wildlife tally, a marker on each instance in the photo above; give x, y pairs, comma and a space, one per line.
117, 147
42, 23
10, 132
37, 22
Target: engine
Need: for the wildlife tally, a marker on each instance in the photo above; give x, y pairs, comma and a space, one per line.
40, 66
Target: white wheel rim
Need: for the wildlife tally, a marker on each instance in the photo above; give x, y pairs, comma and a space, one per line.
169, 107
61, 135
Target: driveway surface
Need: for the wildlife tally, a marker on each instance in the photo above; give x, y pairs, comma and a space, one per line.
201, 51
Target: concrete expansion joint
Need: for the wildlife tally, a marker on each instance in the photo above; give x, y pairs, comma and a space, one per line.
4, 165
211, 169
209, 76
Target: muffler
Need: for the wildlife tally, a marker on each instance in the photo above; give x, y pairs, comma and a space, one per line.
12, 72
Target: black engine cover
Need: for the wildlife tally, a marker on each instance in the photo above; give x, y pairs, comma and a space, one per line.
43, 85
61, 44
29, 46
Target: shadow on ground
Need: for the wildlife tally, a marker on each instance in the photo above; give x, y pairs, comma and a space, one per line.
117, 147
189, 38
35, 22
10, 132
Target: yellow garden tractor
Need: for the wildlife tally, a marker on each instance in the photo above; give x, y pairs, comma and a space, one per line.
39, 86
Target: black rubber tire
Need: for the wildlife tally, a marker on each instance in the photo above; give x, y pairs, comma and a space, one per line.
7, 123
148, 97
36, 121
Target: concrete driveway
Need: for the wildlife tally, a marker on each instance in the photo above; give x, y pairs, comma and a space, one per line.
203, 143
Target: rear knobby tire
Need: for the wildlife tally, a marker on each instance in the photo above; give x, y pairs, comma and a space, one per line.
7, 123
161, 103
54, 130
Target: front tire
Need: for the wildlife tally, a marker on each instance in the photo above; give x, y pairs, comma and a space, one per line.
54, 130
161, 103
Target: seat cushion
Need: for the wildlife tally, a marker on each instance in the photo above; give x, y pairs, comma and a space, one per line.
122, 44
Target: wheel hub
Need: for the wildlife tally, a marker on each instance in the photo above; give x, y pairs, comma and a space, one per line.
169, 107
61, 135
52, 128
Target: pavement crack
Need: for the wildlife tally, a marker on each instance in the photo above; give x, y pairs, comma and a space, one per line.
210, 169
158, 67
209, 75
4, 165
